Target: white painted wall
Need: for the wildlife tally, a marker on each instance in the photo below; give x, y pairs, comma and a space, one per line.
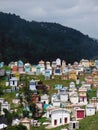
5, 106
63, 97
45, 98
90, 110
56, 103
58, 115
14, 82
74, 99
96, 106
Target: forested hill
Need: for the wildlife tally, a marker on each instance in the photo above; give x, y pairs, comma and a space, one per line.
33, 41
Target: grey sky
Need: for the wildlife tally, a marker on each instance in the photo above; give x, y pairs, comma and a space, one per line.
78, 14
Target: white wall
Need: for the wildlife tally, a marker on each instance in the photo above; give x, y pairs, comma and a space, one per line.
7, 83
63, 97
5, 106
90, 111
56, 103
45, 100
74, 100
96, 106
60, 114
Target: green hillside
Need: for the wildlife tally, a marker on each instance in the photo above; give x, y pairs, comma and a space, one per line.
33, 41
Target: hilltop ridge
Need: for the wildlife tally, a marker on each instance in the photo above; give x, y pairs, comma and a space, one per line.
32, 41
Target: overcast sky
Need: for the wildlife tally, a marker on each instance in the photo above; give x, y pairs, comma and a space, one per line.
78, 14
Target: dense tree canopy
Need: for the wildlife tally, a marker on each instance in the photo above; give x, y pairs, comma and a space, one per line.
33, 41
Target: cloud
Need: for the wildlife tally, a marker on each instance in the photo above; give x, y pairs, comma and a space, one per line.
79, 14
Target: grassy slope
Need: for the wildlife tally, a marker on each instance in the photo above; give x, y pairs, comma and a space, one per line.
88, 123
